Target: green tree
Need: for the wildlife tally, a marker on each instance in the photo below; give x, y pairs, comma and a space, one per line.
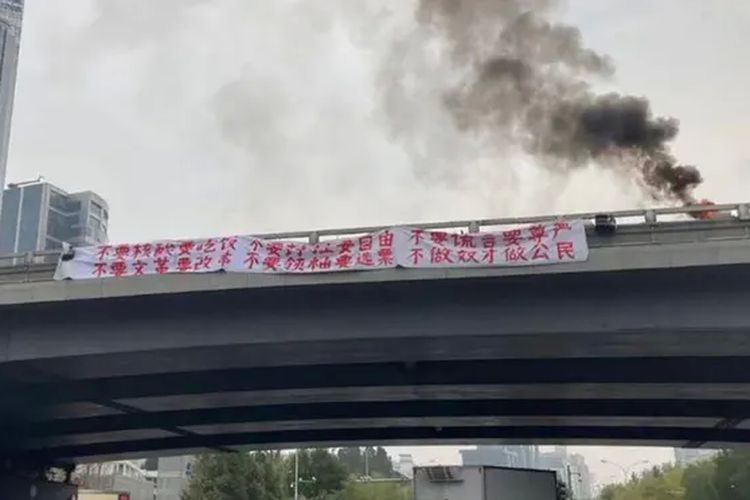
732, 475
382, 464
379, 464
352, 459
238, 476
320, 473
658, 483
376, 491
698, 481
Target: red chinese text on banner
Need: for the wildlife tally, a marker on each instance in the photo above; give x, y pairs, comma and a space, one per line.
358, 253
230, 253
153, 258
549, 243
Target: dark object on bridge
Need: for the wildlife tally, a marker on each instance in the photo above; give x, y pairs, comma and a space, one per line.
605, 224
68, 254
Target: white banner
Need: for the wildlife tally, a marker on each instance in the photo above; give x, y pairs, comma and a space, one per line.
551, 243
233, 254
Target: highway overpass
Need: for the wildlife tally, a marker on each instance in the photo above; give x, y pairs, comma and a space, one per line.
646, 342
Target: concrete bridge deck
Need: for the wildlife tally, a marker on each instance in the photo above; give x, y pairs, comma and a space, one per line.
648, 341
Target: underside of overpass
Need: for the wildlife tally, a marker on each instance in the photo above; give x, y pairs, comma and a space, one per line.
633, 357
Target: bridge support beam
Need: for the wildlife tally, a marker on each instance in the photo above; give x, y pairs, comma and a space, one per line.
21, 488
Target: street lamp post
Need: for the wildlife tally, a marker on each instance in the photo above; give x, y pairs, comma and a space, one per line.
296, 474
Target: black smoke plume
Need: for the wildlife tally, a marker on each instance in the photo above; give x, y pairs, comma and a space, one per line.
526, 81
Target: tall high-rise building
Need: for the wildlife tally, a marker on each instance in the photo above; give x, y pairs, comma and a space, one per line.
580, 477
40, 216
11, 12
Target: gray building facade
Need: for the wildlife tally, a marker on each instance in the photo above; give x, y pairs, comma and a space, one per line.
40, 216
501, 456
173, 476
11, 13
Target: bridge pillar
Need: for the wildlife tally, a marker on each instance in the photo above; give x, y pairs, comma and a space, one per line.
20, 488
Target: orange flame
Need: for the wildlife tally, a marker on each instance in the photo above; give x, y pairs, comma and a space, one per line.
706, 215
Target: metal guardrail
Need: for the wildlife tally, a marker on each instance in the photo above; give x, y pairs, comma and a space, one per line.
740, 211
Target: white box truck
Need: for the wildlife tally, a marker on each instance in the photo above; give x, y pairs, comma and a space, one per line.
483, 483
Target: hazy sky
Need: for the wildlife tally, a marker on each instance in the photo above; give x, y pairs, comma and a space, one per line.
205, 117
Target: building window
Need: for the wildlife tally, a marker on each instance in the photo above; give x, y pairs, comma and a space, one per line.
96, 209
58, 201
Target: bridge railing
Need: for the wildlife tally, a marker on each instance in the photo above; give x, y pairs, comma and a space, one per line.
33, 266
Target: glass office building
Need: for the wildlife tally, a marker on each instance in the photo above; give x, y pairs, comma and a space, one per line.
40, 216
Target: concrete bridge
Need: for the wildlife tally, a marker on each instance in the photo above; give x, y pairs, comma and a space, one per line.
646, 342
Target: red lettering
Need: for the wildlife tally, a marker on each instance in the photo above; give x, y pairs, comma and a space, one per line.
184, 264
256, 245
559, 227
515, 254
203, 262
322, 249
208, 246
440, 255
313, 264
416, 255
468, 256
537, 233
142, 251
344, 261
540, 252
565, 250
228, 243
365, 243
225, 259
139, 268
385, 239
103, 252
417, 236
488, 256
275, 249
489, 241
294, 264
385, 257
186, 247
100, 269
346, 246
162, 265
271, 262
164, 249
118, 269
252, 259
122, 251
512, 237
464, 241
365, 259
292, 249
325, 263
438, 237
